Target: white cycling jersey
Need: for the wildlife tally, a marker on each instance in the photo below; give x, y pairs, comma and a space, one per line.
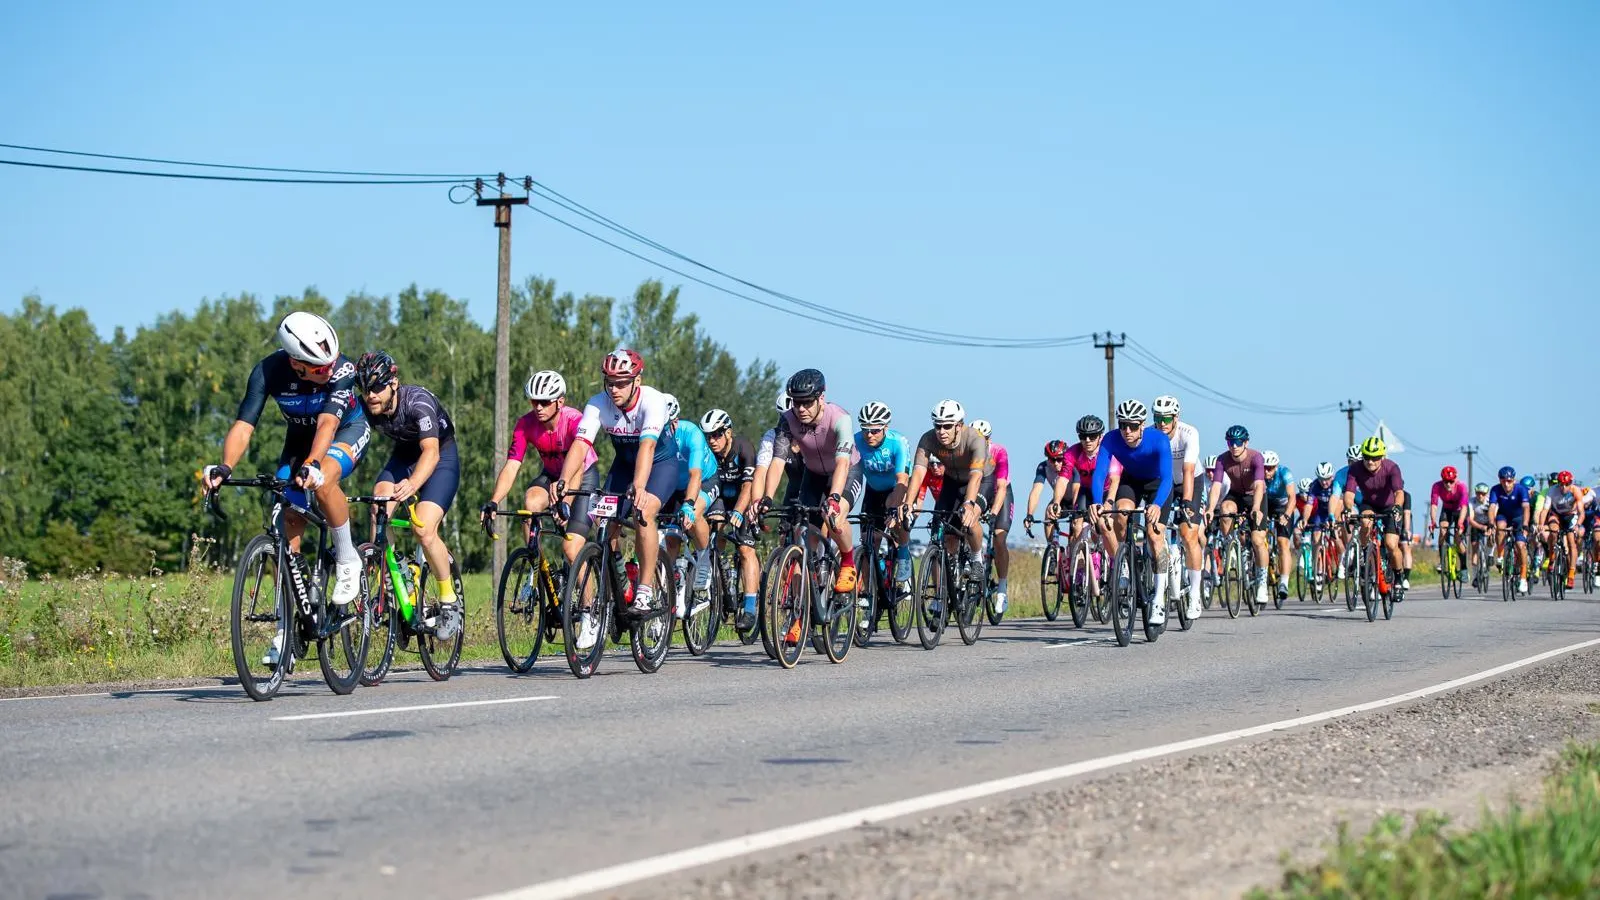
1185, 449
647, 418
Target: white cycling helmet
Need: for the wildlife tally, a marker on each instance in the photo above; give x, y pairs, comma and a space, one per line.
983, 427
1324, 470
783, 402
1167, 405
1269, 458
309, 338
1305, 485
1132, 411
1210, 463
715, 420
1354, 453
672, 407
874, 413
545, 385
948, 412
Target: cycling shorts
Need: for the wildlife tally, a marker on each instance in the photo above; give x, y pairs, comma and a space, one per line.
875, 502
1391, 524
440, 488
812, 488
1002, 516
661, 484
348, 449
579, 522
1140, 492
1242, 503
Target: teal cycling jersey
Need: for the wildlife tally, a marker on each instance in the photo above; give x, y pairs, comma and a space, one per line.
695, 453
882, 465
1278, 484
1339, 479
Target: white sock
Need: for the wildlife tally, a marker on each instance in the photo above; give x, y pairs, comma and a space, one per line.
1161, 588
1194, 583
1002, 587
342, 545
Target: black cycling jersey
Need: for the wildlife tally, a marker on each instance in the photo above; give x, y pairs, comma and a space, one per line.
299, 400
417, 414
736, 469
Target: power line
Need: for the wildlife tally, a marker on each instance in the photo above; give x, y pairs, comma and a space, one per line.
207, 165
240, 178
1138, 350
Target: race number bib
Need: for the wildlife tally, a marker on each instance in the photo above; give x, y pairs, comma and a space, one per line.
605, 506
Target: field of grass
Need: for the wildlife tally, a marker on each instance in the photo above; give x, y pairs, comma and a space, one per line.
1551, 851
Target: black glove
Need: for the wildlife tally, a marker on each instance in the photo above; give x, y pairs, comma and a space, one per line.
488, 510
220, 471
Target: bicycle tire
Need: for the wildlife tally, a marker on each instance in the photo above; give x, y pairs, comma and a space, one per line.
258, 567
701, 623
763, 623
931, 593
585, 578
1122, 603
650, 636
1369, 581
1050, 583
900, 615
787, 604
1387, 598
970, 611
440, 657
342, 655
1233, 576
840, 630
1080, 583
519, 604
869, 585
1145, 602
378, 604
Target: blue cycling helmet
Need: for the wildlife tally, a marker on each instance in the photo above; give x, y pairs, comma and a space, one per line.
1238, 434
1529, 482
1507, 472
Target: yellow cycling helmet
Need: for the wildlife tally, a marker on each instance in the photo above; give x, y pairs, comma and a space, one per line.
1373, 448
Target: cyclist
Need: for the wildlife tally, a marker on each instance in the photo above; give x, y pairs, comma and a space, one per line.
1075, 483
314, 388
1532, 528
423, 464
1239, 481
1479, 521
1146, 457
1002, 499
645, 470
697, 472
550, 428
1045, 475
1281, 507
1188, 500
1352, 457
964, 454
933, 485
735, 491
886, 465
1562, 522
1447, 501
1382, 490
1320, 510
1509, 500
819, 434
766, 479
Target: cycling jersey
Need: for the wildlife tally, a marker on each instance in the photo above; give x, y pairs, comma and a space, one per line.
932, 483
1480, 511
970, 450
735, 469
820, 444
647, 418
1317, 498
1339, 479
884, 463
1278, 484
1143, 466
418, 414
1185, 449
1378, 487
1047, 472
694, 452
300, 401
1082, 464
1242, 473
551, 443
1562, 501
1450, 498
1508, 504
768, 447
999, 461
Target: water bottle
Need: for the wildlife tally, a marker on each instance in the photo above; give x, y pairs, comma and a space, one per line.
631, 574
410, 574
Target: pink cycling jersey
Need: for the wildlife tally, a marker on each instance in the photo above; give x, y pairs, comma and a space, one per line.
1084, 463
1001, 461
1449, 498
551, 443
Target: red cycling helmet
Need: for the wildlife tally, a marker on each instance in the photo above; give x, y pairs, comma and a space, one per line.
1055, 451
1448, 473
623, 363
1566, 478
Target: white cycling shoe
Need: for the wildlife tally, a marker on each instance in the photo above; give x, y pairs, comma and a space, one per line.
589, 633
346, 581
275, 652
902, 571
999, 602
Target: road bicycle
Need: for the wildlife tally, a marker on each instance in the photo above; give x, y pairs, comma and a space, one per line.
281, 606
1053, 576
1177, 587
943, 591
1451, 570
397, 593
1586, 564
1132, 579
527, 607
797, 592
1322, 574
1088, 567
727, 585
1482, 553
1560, 562
878, 594
1239, 568
1374, 569
602, 582
1510, 572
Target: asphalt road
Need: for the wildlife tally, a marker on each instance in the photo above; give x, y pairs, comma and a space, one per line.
198, 792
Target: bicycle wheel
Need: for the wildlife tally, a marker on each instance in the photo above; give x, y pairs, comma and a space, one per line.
1298, 579
519, 610
1050, 583
869, 588
787, 605
705, 612
1080, 583
1368, 576
1122, 601
991, 583
1390, 578
1558, 570
1175, 587
257, 619
901, 610
440, 655
1100, 600
378, 608
1588, 573
1234, 576
931, 598
840, 629
650, 637
971, 605
585, 581
342, 655
1146, 598
1316, 579
1508, 580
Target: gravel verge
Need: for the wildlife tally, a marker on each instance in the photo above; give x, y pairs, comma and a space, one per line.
1211, 824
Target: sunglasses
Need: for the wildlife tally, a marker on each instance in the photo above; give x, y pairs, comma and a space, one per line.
872, 432
945, 427
543, 403
618, 385
1130, 426
1166, 420
308, 369
1235, 444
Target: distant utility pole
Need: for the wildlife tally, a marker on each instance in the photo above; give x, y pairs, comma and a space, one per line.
1111, 343
502, 327
1470, 452
1350, 408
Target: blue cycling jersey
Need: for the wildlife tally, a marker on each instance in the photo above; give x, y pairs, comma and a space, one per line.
1508, 504
1339, 479
695, 453
1278, 484
884, 463
1150, 461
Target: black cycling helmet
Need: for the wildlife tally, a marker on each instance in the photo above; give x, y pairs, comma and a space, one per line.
1238, 434
806, 384
1090, 426
1555, 477
374, 371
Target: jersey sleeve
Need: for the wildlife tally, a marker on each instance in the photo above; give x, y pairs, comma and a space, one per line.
426, 408
844, 438
1041, 475
1191, 450
765, 448
1002, 463
519, 441
1164, 461
1258, 469
903, 456
255, 395
1102, 468
653, 417
589, 424
342, 391
700, 456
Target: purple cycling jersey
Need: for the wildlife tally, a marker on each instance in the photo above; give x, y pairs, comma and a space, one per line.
1377, 488
1242, 473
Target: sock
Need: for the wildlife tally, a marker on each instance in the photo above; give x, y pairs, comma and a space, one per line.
902, 553
342, 546
447, 592
1194, 583
750, 604
848, 558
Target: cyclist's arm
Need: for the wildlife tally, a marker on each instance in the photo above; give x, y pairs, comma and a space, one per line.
327, 427
504, 481
582, 445
1258, 494
427, 460
237, 442
1033, 498
642, 466
1188, 482
974, 483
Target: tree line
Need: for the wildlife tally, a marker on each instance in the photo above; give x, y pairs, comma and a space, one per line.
101, 440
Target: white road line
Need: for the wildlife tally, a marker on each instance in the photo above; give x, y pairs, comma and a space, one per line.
398, 709
668, 863
166, 690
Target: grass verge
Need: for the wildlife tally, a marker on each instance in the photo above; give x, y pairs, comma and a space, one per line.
1550, 851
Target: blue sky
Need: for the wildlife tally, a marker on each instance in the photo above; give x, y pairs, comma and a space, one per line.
1295, 203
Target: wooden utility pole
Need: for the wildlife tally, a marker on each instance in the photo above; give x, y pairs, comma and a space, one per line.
502, 330
1110, 343
1350, 408
1470, 451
